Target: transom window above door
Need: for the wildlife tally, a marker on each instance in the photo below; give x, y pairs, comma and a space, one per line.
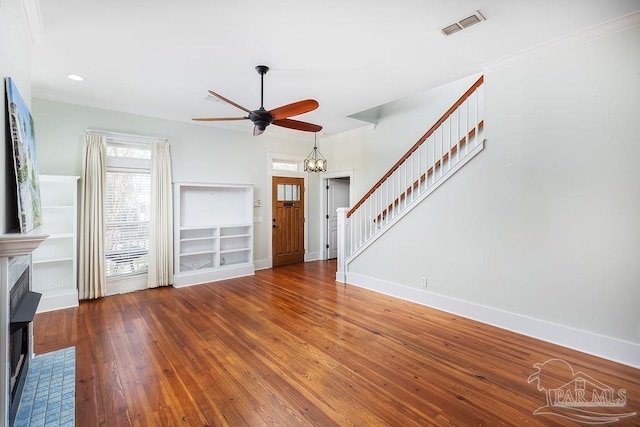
286, 165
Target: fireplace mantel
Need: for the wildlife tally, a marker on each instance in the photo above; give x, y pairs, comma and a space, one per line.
11, 245
16, 244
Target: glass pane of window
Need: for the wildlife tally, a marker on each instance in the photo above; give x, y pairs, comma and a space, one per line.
288, 192
130, 152
127, 207
280, 192
281, 165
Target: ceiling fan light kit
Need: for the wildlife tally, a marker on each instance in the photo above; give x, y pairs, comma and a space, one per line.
261, 118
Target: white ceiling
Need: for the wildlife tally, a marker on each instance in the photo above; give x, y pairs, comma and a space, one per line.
158, 58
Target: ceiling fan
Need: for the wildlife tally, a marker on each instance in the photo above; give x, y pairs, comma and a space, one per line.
262, 118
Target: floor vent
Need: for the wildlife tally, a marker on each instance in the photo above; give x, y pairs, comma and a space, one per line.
463, 23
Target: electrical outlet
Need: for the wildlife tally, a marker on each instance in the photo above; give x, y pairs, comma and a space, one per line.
423, 281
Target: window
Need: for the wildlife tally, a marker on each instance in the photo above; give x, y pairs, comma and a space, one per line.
288, 193
285, 165
127, 208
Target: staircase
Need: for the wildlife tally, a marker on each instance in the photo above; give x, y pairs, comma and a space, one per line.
449, 144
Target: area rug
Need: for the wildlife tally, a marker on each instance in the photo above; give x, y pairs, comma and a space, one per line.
49, 394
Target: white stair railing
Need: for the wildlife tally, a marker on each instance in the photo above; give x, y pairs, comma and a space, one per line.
451, 142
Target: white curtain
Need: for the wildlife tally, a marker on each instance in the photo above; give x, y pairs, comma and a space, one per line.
161, 221
92, 274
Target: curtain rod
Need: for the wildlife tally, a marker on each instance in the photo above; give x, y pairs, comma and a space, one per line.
123, 136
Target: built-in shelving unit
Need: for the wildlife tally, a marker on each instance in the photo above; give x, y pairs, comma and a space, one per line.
213, 232
55, 261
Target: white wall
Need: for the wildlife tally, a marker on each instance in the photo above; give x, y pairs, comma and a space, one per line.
15, 62
545, 222
199, 153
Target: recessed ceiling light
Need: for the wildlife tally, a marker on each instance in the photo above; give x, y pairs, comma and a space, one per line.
75, 77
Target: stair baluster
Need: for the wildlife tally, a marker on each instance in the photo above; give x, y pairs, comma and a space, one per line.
451, 142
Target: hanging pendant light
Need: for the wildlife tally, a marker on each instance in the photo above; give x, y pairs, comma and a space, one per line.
315, 161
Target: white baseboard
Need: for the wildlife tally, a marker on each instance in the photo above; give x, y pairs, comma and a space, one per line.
58, 301
609, 348
262, 264
127, 284
312, 256
213, 275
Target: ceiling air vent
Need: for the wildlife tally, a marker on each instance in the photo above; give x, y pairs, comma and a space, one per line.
463, 23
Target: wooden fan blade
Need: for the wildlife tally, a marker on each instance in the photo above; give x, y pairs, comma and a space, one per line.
294, 109
297, 125
218, 119
229, 101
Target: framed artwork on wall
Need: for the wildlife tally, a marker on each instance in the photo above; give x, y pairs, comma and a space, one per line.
25, 163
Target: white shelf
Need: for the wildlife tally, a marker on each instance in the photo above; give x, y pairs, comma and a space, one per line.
228, 251
197, 253
213, 232
199, 227
49, 260
194, 239
55, 261
186, 270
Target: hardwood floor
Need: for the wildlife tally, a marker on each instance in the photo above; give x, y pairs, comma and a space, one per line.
290, 346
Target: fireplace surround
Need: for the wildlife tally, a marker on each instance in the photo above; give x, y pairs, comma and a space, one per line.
22, 308
18, 305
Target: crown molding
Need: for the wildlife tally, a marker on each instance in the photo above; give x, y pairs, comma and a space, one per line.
608, 27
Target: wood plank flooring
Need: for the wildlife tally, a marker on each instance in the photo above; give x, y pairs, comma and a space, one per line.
290, 346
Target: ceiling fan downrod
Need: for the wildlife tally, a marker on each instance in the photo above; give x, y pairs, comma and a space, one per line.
262, 70
261, 118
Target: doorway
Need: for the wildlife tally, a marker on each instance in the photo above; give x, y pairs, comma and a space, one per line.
287, 208
337, 196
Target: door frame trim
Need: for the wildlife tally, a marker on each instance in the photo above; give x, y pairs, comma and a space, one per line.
323, 203
291, 174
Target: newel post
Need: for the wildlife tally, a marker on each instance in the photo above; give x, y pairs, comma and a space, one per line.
342, 243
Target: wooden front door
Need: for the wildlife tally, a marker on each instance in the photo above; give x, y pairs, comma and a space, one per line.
287, 195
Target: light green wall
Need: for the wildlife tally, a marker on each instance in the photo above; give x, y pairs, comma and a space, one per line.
371, 152
545, 221
199, 153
